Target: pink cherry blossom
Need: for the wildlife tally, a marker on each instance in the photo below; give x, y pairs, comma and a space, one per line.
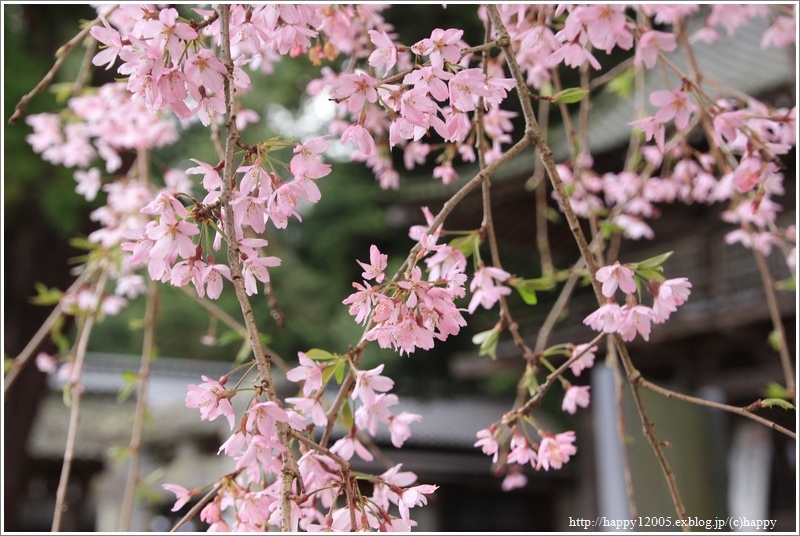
349, 445
671, 294
484, 289
255, 268
653, 130
369, 415
204, 69
576, 396
370, 381
605, 319
212, 399
650, 44
514, 479
377, 264
112, 44
362, 138
182, 495
262, 417
465, 87
586, 359
307, 161
488, 443
309, 372
385, 53
615, 276
635, 319
355, 89
675, 104
555, 451
442, 46
399, 428
46, 363
522, 451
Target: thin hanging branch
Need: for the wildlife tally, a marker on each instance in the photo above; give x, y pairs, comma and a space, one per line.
75, 390
61, 55
22, 359
135, 446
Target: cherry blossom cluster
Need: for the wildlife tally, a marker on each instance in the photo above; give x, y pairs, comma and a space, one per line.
750, 134
632, 317
435, 93
412, 312
171, 244
257, 451
552, 450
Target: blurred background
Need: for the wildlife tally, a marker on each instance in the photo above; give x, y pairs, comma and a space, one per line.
716, 346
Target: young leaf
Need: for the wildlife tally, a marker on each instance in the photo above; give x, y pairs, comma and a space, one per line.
788, 284
776, 390
130, 380
653, 263
46, 296
244, 352
346, 416
769, 402
319, 355
229, 337
622, 84
528, 296
570, 95
488, 342
775, 340
465, 244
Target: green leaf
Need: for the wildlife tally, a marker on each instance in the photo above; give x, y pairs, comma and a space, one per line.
776, 390
229, 337
130, 381
527, 287
650, 274
653, 263
788, 284
62, 91
336, 370
570, 95
466, 244
119, 454
58, 337
622, 84
45, 295
775, 340
769, 402
552, 215
532, 382
488, 341
244, 352
319, 355
80, 242
339, 372
528, 296
346, 415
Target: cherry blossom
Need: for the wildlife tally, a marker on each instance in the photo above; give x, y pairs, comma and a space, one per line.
576, 396
615, 276
484, 289
556, 450
212, 399
674, 104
